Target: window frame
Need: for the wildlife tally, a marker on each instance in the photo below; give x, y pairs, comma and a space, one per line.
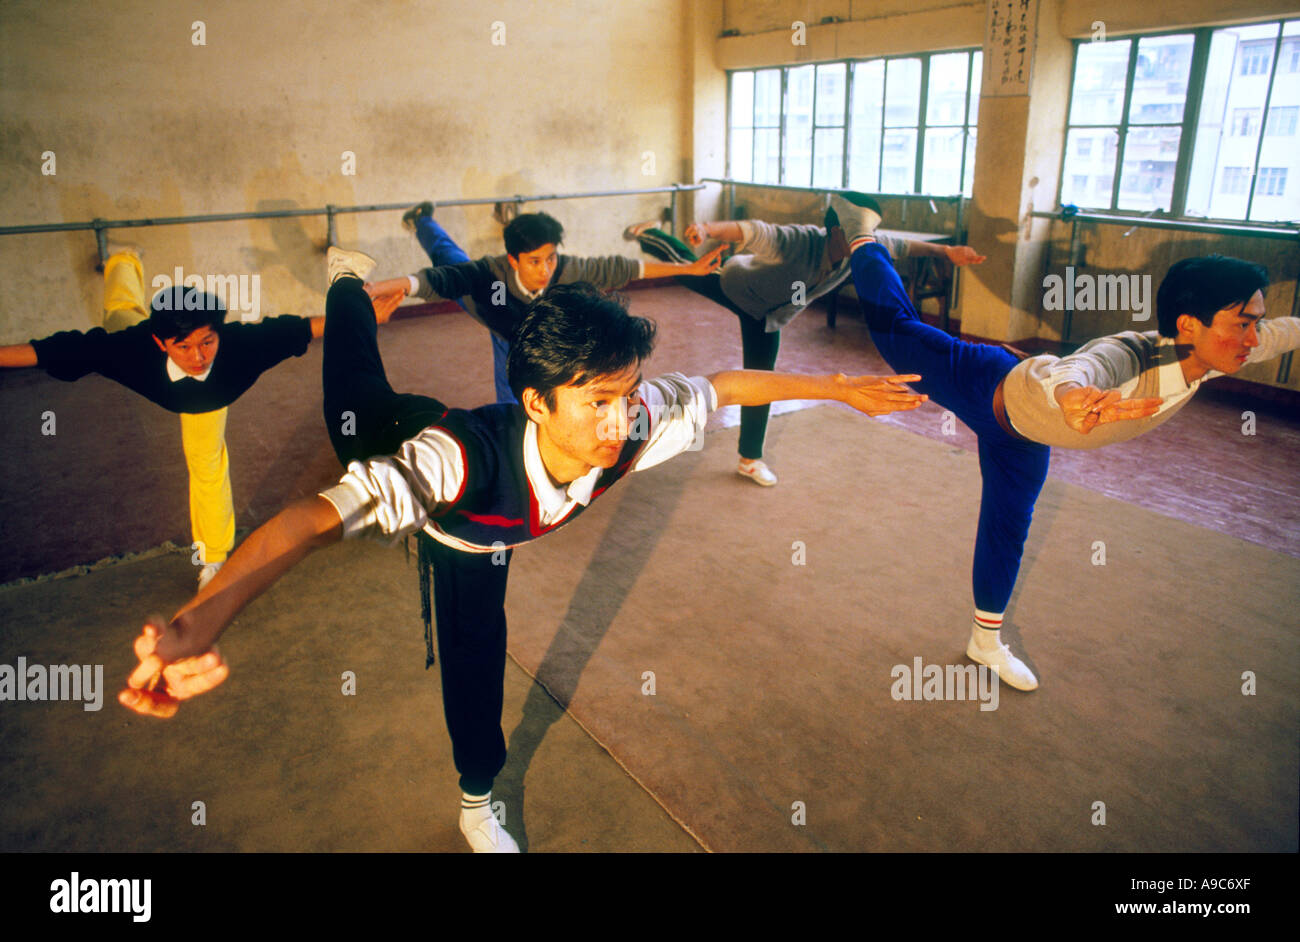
850, 67
1202, 37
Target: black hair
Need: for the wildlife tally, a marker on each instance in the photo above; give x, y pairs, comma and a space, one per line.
530, 231
175, 313
571, 336
1204, 285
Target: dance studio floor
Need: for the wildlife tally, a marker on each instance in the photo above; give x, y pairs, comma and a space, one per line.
769, 623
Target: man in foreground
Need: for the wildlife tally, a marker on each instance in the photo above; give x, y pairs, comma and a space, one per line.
477, 483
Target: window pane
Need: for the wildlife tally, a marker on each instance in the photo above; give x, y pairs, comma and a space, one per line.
1277, 188
798, 125
866, 114
1281, 121
941, 172
976, 72
767, 157
903, 93
829, 168
1147, 180
1160, 80
742, 99
742, 155
767, 98
898, 161
1099, 74
1089, 170
1228, 132
947, 89
830, 95
968, 186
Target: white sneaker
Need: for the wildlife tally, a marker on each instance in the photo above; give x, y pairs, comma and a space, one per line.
756, 471
343, 262
207, 574
1010, 669
488, 837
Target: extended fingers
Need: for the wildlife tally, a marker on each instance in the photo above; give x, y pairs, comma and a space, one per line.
148, 702
195, 675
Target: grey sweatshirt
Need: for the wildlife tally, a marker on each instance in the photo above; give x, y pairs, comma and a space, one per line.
1139, 365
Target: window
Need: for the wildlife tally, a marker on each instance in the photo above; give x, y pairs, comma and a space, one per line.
1282, 121
1255, 58
899, 125
1290, 61
1235, 180
1184, 119
1272, 181
1245, 122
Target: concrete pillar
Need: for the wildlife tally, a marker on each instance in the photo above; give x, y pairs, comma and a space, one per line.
1017, 163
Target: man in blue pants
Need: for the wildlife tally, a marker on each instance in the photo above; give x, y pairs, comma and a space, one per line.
496, 290
1210, 312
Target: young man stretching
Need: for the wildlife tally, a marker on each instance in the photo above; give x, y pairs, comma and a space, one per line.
496, 290
1210, 312
181, 354
777, 271
477, 482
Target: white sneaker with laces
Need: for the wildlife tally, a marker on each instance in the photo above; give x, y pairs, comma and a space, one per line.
756, 471
486, 836
1010, 669
343, 262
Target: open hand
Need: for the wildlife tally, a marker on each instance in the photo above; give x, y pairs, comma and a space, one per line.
385, 304
879, 395
156, 688
962, 255
707, 264
1086, 407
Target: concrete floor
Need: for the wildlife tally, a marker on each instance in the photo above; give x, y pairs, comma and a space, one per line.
772, 679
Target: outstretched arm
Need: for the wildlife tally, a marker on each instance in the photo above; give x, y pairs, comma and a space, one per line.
17, 355
874, 395
956, 254
176, 652
704, 265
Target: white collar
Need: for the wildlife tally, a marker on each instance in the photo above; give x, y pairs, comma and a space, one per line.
552, 500
176, 374
1170, 371
530, 295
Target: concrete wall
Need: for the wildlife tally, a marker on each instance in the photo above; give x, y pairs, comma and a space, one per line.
143, 122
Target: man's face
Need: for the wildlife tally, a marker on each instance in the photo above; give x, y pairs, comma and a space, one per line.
587, 427
194, 353
1225, 343
535, 268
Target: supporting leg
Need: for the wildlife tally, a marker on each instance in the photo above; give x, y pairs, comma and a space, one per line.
212, 507
443, 250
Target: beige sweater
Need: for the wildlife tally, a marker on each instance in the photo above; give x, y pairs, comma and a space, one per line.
1139, 365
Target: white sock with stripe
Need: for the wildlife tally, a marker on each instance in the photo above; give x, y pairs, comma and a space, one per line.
986, 631
475, 808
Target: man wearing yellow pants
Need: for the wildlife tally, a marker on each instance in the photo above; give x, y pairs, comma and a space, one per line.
167, 352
